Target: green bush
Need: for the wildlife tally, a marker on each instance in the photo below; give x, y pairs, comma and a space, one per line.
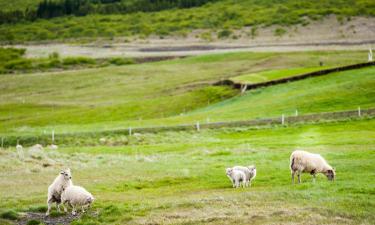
18, 64
78, 61
9, 215
279, 31
33, 222
224, 33
121, 61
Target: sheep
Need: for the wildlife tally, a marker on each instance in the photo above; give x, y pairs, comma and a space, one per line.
61, 182
20, 151
236, 177
302, 161
76, 196
249, 171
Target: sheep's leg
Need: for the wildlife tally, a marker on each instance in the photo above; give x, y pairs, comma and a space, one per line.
237, 184
65, 208
83, 209
74, 212
293, 172
314, 176
233, 183
58, 207
49, 203
299, 177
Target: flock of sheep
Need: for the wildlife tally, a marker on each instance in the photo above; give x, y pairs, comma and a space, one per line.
62, 191
300, 162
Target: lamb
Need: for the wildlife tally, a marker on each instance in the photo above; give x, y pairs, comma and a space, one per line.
76, 196
302, 161
236, 177
61, 182
249, 171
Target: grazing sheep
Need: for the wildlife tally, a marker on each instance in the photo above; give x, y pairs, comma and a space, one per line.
249, 171
236, 177
301, 161
76, 196
61, 182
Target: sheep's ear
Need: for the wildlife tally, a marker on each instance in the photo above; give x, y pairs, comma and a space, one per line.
62, 172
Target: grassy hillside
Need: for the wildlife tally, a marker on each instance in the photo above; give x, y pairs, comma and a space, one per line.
219, 19
157, 93
179, 178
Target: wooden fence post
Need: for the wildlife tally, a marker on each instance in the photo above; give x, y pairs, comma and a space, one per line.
282, 119
198, 126
130, 131
359, 110
296, 112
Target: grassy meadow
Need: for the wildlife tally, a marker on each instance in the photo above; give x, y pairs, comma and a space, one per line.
217, 20
179, 177
177, 92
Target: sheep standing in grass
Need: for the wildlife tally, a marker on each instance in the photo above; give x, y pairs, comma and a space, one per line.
236, 177
249, 171
306, 162
61, 182
76, 196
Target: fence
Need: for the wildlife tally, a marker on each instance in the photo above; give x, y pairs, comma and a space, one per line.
244, 87
282, 120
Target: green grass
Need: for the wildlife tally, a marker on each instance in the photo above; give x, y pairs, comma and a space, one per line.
18, 4
165, 93
179, 177
264, 76
220, 18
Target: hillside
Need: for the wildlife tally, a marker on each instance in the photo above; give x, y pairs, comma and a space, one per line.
149, 94
216, 20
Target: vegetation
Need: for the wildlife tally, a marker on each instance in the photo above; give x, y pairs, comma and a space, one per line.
179, 177
12, 60
220, 17
165, 93
264, 76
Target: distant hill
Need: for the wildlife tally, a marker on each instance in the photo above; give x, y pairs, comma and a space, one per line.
217, 19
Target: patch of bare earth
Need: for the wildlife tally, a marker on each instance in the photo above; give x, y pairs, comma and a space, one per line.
48, 220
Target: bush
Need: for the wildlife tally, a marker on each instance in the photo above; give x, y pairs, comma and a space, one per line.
279, 31
224, 33
78, 60
19, 64
9, 215
33, 222
121, 61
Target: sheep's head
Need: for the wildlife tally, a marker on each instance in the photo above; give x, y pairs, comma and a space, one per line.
330, 174
252, 167
229, 171
67, 174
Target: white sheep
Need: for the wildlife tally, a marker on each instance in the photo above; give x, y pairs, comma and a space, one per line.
61, 182
306, 162
53, 147
249, 171
236, 177
20, 151
76, 196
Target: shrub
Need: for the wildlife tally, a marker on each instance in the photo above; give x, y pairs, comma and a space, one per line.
121, 61
279, 31
78, 60
10, 215
224, 33
19, 64
33, 222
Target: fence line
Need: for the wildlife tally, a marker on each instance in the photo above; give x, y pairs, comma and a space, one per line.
292, 78
316, 117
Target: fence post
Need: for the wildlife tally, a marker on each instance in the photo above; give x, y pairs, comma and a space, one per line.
296, 112
53, 136
359, 110
282, 119
198, 126
130, 131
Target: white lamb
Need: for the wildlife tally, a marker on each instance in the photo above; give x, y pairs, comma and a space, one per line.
306, 162
61, 182
249, 171
76, 196
237, 177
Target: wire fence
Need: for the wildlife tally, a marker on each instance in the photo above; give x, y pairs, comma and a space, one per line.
53, 138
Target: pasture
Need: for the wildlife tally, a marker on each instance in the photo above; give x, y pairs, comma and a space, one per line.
179, 177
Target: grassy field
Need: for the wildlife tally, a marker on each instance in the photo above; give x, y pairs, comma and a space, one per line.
179, 178
218, 19
254, 78
166, 93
